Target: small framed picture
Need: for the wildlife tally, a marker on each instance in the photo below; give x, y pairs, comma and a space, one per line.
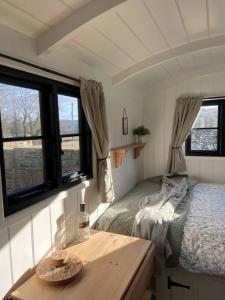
125, 122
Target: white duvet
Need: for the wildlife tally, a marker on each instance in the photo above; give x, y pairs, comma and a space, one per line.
203, 245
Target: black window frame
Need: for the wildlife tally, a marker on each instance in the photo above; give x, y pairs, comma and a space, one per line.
49, 114
220, 152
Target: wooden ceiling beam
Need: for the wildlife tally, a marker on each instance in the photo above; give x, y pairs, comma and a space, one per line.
65, 28
167, 55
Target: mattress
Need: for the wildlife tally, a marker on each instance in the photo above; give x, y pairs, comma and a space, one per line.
197, 232
203, 243
119, 217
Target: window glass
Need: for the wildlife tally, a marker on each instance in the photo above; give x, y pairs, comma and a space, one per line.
23, 164
20, 111
207, 117
45, 141
70, 154
204, 140
68, 114
204, 133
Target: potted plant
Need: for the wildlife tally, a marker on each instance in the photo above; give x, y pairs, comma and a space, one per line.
140, 132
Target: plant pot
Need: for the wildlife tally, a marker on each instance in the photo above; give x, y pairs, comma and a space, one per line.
136, 139
141, 139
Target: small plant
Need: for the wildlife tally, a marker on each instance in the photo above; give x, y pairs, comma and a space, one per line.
141, 130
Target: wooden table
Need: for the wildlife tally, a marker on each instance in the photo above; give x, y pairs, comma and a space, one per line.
116, 267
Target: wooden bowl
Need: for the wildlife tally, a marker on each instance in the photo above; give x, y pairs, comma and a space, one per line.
58, 258
60, 268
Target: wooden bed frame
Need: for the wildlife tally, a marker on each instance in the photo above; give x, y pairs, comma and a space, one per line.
202, 287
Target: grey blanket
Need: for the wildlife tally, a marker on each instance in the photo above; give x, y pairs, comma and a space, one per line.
119, 217
156, 213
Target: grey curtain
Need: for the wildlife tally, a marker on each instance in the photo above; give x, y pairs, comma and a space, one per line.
93, 102
185, 114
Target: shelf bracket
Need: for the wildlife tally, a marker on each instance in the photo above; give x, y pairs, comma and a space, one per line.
118, 153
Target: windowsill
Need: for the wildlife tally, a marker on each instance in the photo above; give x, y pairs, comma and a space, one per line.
56, 195
195, 157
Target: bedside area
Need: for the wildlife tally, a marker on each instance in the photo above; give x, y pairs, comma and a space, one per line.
115, 267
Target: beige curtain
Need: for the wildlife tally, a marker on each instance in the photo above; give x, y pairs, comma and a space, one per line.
93, 102
185, 114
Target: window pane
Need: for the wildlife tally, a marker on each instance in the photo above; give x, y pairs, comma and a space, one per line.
204, 139
70, 154
23, 164
207, 117
68, 114
20, 111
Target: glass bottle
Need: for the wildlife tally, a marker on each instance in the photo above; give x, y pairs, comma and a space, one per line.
83, 224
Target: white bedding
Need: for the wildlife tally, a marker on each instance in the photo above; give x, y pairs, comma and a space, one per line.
203, 245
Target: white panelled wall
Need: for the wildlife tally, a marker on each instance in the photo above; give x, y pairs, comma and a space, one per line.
159, 110
125, 177
28, 236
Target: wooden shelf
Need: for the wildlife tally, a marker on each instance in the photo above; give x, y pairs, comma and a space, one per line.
118, 153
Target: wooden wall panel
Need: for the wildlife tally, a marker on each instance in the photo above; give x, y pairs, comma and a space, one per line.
56, 210
92, 201
26, 241
5, 263
22, 252
158, 116
41, 231
32, 230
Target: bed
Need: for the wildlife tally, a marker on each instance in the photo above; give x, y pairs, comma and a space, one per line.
195, 233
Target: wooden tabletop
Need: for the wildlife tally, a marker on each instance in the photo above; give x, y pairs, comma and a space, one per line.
111, 262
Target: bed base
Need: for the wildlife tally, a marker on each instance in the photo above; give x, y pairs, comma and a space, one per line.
202, 287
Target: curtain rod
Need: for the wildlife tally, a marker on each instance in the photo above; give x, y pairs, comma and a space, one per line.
39, 67
213, 97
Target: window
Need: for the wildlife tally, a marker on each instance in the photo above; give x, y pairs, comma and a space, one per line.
45, 141
69, 133
22, 138
207, 137
73, 130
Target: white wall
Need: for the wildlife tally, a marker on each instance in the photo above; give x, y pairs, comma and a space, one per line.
125, 177
158, 116
27, 236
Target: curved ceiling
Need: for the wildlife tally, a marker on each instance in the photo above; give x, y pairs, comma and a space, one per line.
138, 41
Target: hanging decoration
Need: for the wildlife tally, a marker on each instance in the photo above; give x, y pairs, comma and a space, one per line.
125, 122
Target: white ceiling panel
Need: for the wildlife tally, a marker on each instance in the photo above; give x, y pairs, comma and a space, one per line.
20, 21
202, 58
141, 23
172, 67
186, 62
217, 17
134, 37
155, 73
194, 14
75, 4
167, 16
47, 11
149, 77
218, 56
115, 28
98, 44
84, 55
